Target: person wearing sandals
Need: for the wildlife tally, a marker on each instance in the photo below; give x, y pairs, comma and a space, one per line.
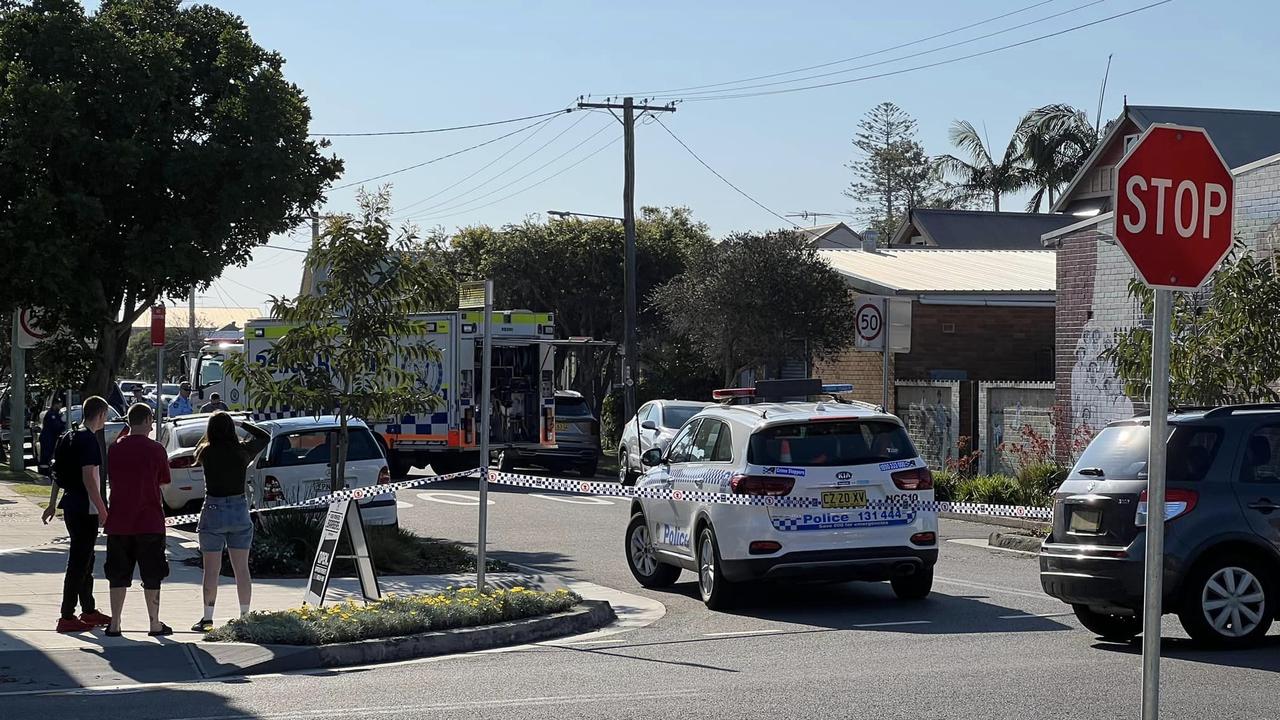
224, 519
135, 526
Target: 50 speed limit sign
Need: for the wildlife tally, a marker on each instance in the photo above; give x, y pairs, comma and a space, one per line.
870, 322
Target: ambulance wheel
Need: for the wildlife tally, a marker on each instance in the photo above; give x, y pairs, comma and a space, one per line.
401, 466
506, 462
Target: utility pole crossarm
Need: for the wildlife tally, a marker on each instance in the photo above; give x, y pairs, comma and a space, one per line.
670, 107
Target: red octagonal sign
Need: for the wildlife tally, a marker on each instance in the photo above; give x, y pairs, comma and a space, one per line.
1173, 203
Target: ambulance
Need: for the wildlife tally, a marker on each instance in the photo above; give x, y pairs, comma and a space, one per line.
446, 436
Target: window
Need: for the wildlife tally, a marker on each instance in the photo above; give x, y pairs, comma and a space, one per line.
1261, 464
362, 445
674, 416
646, 412
1120, 453
711, 442
572, 407
304, 448
1191, 450
680, 447
828, 443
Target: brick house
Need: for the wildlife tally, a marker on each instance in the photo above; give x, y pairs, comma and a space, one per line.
1092, 273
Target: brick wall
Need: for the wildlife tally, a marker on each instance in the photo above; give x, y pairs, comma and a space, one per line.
861, 368
986, 343
1093, 303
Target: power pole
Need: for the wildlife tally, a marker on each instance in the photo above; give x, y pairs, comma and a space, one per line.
191, 337
629, 350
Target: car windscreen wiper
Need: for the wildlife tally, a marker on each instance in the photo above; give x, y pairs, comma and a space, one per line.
1092, 472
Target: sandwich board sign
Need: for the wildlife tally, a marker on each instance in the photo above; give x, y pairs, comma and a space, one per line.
342, 515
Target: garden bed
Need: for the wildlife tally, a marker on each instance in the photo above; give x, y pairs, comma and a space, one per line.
393, 616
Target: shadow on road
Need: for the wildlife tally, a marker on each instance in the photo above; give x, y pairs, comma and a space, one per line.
1265, 657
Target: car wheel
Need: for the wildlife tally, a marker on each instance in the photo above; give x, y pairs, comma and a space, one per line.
915, 586
1114, 628
643, 560
506, 463
717, 593
400, 466
1228, 602
625, 476
589, 470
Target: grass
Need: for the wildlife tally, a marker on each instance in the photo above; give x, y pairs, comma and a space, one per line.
393, 616
29, 484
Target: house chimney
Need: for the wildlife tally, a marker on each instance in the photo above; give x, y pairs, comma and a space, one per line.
870, 240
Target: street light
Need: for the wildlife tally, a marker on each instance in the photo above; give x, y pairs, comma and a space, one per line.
567, 214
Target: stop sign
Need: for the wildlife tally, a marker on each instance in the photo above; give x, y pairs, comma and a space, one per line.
1173, 205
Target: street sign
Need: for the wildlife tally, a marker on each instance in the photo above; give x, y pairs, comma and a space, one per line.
343, 515
1173, 206
29, 334
157, 326
870, 323
877, 318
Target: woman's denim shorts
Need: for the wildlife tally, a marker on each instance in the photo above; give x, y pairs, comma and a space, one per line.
225, 523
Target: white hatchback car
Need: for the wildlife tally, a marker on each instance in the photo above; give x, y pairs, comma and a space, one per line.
179, 436
836, 482
295, 466
653, 426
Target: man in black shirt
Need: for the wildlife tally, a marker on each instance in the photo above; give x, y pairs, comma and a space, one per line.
83, 510
215, 404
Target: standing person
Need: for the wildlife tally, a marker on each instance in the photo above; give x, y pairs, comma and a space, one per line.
77, 462
215, 404
136, 397
135, 530
181, 405
51, 428
224, 520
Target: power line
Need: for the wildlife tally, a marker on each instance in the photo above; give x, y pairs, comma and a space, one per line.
500, 173
246, 287
427, 211
548, 178
930, 51
282, 247
723, 179
438, 159
670, 91
934, 64
443, 129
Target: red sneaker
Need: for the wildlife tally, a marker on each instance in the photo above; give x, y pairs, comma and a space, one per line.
96, 618
73, 625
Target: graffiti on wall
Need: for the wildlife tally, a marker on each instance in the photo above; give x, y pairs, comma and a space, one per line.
1097, 393
929, 414
1009, 411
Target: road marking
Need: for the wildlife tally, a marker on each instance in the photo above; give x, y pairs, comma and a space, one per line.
739, 633
980, 543
403, 505
572, 500
894, 624
585, 642
992, 588
449, 498
1042, 615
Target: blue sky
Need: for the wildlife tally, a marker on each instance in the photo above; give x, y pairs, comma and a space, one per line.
400, 65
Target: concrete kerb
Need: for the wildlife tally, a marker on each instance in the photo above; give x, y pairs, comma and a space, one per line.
223, 659
1010, 541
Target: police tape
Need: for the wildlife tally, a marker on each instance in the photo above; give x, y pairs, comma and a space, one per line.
659, 492
360, 493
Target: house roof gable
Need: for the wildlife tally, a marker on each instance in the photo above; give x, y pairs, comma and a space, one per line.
979, 229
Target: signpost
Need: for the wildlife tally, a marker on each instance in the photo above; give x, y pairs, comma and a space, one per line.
1173, 203
343, 515
469, 295
157, 342
880, 320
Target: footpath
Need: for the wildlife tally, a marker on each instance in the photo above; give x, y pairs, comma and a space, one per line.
35, 658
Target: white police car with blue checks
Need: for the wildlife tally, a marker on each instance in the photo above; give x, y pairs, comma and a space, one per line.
815, 490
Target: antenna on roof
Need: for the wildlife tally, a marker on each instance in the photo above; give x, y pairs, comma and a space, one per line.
1102, 94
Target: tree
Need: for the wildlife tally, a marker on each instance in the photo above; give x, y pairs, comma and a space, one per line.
1224, 345
744, 301
140, 358
574, 268
981, 175
893, 172
143, 148
354, 345
1055, 140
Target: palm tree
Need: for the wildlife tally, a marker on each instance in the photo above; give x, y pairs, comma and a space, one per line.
981, 174
1056, 140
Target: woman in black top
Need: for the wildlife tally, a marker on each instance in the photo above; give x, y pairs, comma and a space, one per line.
224, 519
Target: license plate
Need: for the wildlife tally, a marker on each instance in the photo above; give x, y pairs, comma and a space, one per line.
562, 426
844, 499
1088, 522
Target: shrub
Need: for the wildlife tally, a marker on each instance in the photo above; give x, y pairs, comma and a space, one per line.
991, 489
965, 464
1037, 482
944, 485
392, 616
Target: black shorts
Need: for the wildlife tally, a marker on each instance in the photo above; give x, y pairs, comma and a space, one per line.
146, 552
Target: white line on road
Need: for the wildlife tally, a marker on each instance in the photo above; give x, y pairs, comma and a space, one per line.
894, 624
403, 505
992, 588
1042, 615
448, 498
739, 633
572, 500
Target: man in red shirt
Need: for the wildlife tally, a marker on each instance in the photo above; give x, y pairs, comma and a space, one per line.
135, 527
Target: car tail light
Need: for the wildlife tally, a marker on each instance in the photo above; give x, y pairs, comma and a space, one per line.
764, 547
384, 475
1176, 504
924, 538
271, 490
761, 485
914, 479
182, 462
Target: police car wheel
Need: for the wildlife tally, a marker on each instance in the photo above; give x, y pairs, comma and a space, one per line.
915, 586
643, 560
717, 593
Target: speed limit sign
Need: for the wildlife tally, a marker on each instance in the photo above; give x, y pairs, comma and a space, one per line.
870, 322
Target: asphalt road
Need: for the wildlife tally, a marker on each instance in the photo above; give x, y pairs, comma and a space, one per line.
986, 645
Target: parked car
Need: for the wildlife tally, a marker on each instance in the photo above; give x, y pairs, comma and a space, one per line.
846, 458
577, 440
127, 386
179, 436
168, 393
295, 465
658, 422
1222, 530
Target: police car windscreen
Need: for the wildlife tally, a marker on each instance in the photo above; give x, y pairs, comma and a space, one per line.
829, 444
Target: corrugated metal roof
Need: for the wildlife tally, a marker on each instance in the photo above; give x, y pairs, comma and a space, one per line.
935, 270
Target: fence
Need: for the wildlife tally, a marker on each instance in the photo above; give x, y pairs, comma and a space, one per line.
931, 411
1004, 409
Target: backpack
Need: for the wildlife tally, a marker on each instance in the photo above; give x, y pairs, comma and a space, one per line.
65, 472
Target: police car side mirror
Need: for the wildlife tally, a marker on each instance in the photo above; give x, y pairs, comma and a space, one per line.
651, 457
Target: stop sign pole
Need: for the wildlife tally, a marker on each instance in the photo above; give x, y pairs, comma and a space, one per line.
1173, 203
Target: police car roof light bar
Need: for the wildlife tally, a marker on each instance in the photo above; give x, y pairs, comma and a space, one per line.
835, 388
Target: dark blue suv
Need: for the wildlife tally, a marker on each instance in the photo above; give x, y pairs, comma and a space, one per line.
1222, 526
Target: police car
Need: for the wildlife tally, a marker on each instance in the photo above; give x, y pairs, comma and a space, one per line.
762, 487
